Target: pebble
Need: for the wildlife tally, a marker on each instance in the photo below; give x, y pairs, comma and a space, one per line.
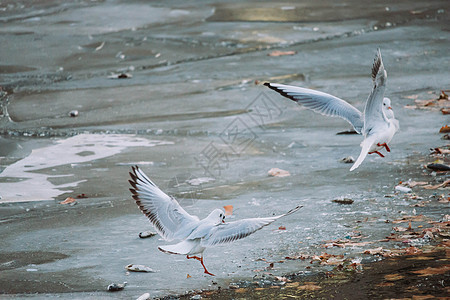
146, 234
348, 160
114, 287
73, 113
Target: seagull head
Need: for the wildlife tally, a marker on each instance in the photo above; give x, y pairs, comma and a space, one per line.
217, 216
387, 108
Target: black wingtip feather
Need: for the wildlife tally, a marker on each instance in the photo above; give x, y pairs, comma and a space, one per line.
376, 64
280, 91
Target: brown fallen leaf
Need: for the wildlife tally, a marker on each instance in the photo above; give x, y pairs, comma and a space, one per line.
228, 210
281, 53
281, 228
68, 200
418, 218
383, 284
374, 251
441, 185
412, 184
443, 95
309, 287
399, 229
433, 271
444, 129
393, 277
275, 172
188, 276
413, 251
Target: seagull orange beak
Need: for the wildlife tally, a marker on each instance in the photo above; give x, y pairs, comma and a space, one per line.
389, 107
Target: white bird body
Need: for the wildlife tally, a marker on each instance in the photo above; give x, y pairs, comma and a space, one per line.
377, 123
172, 222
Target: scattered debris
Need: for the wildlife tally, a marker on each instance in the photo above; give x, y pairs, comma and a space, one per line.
282, 228
188, 276
281, 53
352, 131
144, 296
139, 268
100, 46
73, 113
82, 196
444, 129
441, 103
275, 172
199, 181
309, 286
114, 287
228, 210
69, 200
443, 95
146, 234
445, 184
433, 271
438, 167
120, 76
403, 189
348, 160
412, 184
439, 151
343, 201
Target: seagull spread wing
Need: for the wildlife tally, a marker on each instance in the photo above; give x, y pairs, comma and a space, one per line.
322, 103
229, 232
170, 220
373, 112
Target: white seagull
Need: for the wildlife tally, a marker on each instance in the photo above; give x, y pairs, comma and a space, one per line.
172, 222
377, 124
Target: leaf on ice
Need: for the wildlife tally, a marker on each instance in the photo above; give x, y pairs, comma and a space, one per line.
374, 251
68, 200
400, 229
444, 129
281, 53
275, 172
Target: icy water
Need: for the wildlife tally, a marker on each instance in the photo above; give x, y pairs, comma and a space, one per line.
193, 114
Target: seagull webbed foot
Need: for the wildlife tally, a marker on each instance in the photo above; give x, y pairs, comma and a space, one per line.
385, 146
377, 153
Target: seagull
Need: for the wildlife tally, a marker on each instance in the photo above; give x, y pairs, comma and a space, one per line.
172, 222
377, 124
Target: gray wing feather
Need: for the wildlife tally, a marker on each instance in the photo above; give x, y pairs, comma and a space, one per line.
170, 220
373, 112
322, 103
232, 231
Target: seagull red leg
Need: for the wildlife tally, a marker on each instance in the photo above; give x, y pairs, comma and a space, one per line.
201, 261
385, 146
377, 153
